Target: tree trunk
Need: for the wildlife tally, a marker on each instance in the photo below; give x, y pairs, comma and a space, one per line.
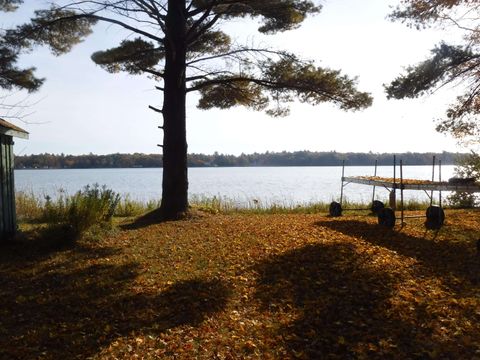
175, 179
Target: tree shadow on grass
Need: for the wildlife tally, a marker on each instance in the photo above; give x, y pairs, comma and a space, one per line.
156, 217
42, 242
73, 307
443, 257
145, 220
334, 306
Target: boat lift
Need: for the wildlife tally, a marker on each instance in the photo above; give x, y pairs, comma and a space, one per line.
387, 216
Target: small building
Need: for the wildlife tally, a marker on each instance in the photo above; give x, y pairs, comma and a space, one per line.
8, 218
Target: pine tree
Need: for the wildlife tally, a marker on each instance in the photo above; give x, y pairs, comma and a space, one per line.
180, 44
10, 75
448, 64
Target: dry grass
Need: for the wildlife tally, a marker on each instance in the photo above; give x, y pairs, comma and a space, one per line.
256, 286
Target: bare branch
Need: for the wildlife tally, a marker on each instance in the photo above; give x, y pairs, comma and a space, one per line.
155, 109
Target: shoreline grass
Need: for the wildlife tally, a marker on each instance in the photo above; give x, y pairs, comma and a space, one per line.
32, 208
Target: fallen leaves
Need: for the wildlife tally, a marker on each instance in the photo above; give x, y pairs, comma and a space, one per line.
405, 181
248, 286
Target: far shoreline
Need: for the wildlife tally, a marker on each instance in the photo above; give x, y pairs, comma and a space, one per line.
229, 167
267, 159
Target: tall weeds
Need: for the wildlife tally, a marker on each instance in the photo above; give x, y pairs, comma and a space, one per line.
29, 207
93, 206
96, 205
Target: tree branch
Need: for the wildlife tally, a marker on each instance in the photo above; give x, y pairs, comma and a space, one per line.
262, 82
239, 51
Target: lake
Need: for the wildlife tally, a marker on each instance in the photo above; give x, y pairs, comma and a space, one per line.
280, 185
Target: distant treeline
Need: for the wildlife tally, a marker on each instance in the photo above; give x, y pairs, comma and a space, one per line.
297, 158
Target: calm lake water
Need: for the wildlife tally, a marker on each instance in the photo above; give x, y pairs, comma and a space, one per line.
280, 185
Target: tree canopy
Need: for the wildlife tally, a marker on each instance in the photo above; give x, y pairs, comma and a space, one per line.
264, 76
11, 76
448, 64
181, 45
9, 5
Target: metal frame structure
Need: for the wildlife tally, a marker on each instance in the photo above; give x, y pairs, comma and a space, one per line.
387, 215
336, 208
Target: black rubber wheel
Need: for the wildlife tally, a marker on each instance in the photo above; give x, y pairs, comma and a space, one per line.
386, 217
335, 209
377, 206
435, 217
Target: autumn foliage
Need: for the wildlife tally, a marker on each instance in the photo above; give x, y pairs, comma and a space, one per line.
290, 286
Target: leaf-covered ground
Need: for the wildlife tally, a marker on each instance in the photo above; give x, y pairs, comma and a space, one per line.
247, 287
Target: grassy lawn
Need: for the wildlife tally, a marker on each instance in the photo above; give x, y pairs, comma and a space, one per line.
259, 286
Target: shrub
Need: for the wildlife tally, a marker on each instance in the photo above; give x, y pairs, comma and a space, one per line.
468, 167
92, 206
462, 200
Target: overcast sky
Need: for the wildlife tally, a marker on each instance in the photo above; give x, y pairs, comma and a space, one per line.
82, 109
